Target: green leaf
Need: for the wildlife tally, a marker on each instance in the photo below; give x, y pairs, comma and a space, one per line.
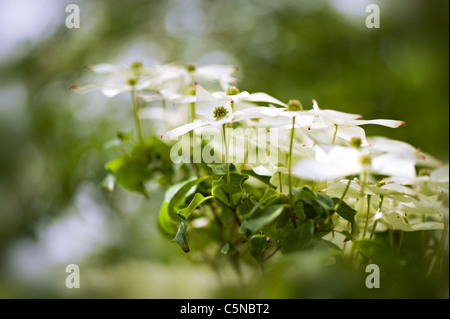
345, 211
221, 188
132, 176
325, 201
165, 222
180, 237
228, 249
196, 201
371, 249
114, 165
264, 179
260, 219
183, 190
125, 136
298, 239
259, 244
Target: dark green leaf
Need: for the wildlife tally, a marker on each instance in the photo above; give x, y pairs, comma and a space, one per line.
228, 249
345, 211
183, 190
180, 237
299, 239
196, 201
260, 219
258, 244
132, 176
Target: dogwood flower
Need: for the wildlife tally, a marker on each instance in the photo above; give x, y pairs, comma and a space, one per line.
345, 125
120, 79
332, 162
178, 78
213, 111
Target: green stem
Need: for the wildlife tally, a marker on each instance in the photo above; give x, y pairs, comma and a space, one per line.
338, 204
230, 198
136, 116
376, 222
367, 217
335, 133
291, 198
281, 183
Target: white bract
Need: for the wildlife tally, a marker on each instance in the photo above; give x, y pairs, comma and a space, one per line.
120, 79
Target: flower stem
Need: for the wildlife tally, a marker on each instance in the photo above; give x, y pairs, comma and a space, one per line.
281, 182
376, 222
291, 198
335, 133
136, 116
338, 204
367, 217
226, 154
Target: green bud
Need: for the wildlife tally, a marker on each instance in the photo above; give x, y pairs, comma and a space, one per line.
365, 160
355, 142
232, 90
424, 172
220, 112
294, 105
381, 183
132, 81
136, 65
190, 67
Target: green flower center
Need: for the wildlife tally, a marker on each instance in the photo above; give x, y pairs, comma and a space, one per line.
220, 112
132, 81
355, 142
190, 67
294, 105
365, 160
232, 90
136, 67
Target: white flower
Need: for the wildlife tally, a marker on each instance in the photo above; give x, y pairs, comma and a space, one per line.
120, 79
213, 112
337, 162
345, 125
178, 78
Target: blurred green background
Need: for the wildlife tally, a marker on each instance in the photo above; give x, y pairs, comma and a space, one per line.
52, 212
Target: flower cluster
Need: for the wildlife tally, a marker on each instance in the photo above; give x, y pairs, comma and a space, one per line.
328, 180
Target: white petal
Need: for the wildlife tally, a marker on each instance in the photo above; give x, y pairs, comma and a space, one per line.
206, 103
150, 97
441, 174
348, 132
391, 165
184, 129
388, 123
106, 68
263, 97
265, 170
86, 88
113, 90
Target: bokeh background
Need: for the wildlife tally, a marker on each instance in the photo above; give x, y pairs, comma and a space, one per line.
52, 212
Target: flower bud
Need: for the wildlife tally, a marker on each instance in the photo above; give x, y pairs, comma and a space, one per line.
190, 67
294, 105
232, 90
365, 160
355, 142
132, 81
